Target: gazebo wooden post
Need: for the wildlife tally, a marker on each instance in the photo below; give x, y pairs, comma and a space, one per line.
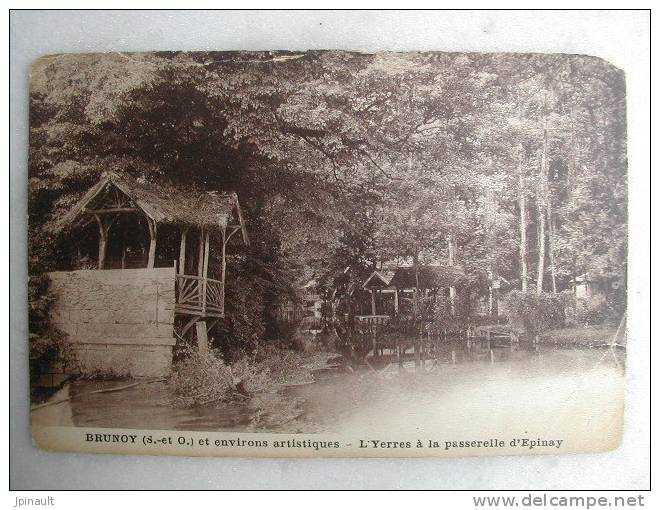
200, 263
202, 337
202, 270
153, 233
103, 240
182, 251
373, 301
396, 301
223, 231
123, 249
205, 270
200, 255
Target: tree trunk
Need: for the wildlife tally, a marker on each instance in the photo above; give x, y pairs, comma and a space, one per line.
490, 232
452, 289
522, 202
541, 236
490, 294
541, 201
551, 245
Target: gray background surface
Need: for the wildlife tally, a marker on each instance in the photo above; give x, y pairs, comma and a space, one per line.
620, 37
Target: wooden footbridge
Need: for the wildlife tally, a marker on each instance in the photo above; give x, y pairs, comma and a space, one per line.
379, 340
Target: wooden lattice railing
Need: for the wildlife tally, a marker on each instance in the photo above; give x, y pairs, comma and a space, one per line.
196, 295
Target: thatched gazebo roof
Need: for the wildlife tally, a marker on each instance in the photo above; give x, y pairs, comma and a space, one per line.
163, 203
430, 277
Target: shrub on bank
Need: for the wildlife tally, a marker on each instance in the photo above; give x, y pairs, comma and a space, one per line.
530, 313
49, 347
204, 378
588, 312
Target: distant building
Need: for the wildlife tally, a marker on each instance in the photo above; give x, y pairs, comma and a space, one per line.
382, 296
307, 303
389, 291
432, 281
312, 301
592, 287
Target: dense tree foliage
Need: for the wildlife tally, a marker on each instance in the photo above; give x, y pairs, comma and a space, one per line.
343, 160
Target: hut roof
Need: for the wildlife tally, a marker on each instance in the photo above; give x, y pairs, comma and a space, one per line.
430, 277
379, 279
590, 277
164, 203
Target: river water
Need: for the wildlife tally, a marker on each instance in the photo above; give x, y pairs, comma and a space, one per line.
464, 390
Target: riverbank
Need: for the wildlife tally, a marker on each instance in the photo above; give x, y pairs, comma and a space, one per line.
581, 336
477, 387
250, 392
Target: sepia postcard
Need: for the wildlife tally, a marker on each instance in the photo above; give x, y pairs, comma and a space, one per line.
327, 253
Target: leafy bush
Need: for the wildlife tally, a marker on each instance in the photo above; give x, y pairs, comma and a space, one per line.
285, 330
530, 313
243, 328
204, 378
588, 312
48, 345
201, 379
593, 311
286, 366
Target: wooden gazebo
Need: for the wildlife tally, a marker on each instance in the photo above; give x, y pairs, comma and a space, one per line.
377, 284
200, 223
426, 279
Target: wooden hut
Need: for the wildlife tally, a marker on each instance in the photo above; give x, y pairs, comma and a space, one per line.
161, 251
590, 287
383, 297
430, 280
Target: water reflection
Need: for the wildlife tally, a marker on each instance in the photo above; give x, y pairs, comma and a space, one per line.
457, 387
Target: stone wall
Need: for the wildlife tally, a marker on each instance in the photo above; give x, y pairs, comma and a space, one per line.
119, 321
